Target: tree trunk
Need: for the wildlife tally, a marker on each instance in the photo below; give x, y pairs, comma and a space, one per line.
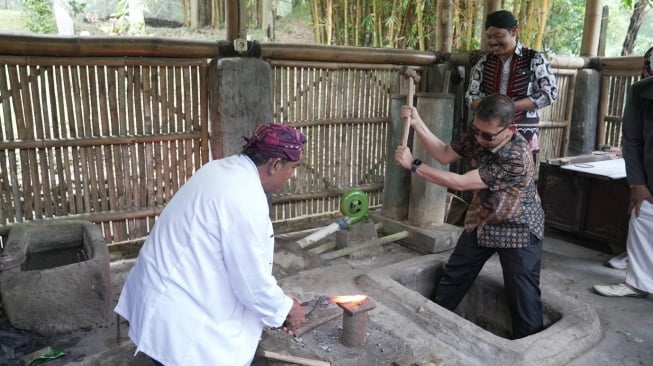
544, 17
639, 12
194, 14
268, 20
136, 17
357, 22
444, 32
65, 24
329, 25
419, 10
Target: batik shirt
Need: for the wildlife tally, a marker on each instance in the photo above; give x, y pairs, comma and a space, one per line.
526, 73
509, 210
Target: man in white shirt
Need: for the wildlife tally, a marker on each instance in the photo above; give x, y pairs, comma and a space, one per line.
202, 288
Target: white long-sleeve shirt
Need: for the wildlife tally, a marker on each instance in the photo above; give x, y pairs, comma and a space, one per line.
202, 288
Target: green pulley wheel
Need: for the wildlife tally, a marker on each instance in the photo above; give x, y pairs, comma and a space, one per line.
354, 204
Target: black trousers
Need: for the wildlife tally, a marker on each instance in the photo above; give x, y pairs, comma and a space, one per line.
521, 279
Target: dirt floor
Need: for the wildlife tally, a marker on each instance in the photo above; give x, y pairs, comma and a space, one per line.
570, 266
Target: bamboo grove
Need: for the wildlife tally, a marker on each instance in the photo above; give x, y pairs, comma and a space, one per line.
427, 25
414, 23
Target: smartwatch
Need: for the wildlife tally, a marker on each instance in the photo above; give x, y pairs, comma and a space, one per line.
416, 164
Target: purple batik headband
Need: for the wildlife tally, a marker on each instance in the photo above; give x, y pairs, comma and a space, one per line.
276, 140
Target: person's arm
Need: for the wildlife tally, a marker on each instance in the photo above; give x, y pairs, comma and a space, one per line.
469, 181
295, 317
544, 89
248, 256
473, 95
440, 151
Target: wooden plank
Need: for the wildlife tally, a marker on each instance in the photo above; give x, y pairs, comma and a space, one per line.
176, 127
27, 159
55, 194
39, 99
119, 117
10, 199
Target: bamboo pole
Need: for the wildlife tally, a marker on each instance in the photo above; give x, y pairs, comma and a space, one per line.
294, 359
365, 245
591, 28
126, 47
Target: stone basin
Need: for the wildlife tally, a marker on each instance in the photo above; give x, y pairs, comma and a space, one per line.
56, 276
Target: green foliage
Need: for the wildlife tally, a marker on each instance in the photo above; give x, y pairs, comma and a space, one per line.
77, 8
564, 30
40, 18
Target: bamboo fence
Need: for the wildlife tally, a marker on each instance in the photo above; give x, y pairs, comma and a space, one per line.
618, 74
109, 132
108, 140
343, 109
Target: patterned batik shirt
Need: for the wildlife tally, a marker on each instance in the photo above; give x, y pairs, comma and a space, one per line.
527, 73
509, 210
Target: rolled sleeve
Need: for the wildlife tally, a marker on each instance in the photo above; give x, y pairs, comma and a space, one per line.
544, 88
474, 90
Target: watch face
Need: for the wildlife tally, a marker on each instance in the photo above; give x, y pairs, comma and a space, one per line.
416, 163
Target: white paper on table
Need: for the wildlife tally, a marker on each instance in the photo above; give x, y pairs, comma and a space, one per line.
614, 168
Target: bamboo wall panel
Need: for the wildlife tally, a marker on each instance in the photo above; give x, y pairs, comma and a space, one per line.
343, 109
617, 74
614, 89
108, 140
555, 120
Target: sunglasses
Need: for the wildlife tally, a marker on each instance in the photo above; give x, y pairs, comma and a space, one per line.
484, 135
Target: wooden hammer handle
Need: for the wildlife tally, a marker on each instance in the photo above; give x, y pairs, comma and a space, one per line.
407, 122
295, 359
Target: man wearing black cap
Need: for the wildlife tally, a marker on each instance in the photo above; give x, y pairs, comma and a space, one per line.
514, 70
202, 288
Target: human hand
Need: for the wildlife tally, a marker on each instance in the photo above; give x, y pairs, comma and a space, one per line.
638, 194
295, 316
408, 111
403, 157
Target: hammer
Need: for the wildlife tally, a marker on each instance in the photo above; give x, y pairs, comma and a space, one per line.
412, 77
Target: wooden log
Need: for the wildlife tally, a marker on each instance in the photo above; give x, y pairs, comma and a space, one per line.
308, 326
294, 359
364, 245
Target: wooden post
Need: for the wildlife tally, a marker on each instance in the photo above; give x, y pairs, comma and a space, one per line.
591, 28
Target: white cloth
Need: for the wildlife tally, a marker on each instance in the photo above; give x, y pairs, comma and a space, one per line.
202, 288
640, 249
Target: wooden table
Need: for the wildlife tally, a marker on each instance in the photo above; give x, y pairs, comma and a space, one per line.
580, 197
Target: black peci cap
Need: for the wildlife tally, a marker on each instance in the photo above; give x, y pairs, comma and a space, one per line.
501, 19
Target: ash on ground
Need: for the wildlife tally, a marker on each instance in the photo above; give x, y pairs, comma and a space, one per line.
324, 343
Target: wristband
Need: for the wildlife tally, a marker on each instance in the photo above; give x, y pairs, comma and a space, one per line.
416, 164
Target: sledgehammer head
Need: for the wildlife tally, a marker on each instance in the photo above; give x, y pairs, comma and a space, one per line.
409, 73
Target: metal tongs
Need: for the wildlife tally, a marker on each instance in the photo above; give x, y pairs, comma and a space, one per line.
321, 302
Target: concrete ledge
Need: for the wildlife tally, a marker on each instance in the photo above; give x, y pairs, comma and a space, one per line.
434, 240
577, 330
